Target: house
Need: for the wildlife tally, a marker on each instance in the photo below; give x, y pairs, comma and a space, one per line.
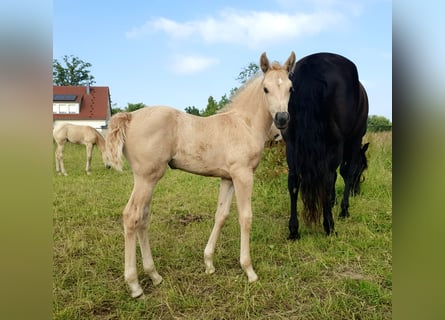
82, 105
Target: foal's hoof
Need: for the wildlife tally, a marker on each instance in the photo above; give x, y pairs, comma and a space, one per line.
210, 270
157, 281
138, 294
141, 297
252, 278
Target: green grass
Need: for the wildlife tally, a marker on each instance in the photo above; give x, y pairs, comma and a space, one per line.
348, 276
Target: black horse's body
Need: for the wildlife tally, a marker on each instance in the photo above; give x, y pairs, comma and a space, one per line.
328, 117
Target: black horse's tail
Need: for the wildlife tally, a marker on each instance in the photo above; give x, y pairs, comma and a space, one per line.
314, 150
312, 164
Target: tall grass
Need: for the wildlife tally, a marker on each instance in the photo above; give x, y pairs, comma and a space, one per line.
348, 276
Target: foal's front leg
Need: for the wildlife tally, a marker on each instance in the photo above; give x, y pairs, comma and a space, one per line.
222, 211
60, 168
243, 190
89, 149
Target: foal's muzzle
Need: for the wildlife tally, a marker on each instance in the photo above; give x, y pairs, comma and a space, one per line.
281, 120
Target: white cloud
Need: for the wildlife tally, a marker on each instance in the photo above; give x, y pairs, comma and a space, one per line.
253, 28
191, 64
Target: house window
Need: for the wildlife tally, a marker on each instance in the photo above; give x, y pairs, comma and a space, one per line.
65, 108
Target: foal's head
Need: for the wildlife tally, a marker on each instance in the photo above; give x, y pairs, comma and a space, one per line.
277, 88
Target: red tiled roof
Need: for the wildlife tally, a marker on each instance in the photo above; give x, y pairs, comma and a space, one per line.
93, 106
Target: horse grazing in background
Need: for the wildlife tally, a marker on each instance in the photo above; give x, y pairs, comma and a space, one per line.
328, 117
85, 135
228, 145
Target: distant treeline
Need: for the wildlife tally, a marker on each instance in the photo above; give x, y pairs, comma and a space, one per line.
378, 123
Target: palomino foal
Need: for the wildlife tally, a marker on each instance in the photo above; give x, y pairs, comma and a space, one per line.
85, 135
226, 145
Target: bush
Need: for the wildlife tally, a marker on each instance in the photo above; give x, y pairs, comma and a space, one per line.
378, 124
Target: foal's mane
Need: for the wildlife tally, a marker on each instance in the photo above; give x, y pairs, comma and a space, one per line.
247, 94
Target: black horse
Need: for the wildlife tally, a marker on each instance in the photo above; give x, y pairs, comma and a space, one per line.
328, 111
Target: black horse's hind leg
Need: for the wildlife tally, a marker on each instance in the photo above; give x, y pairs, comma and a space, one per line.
333, 194
362, 164
328, 220
345, 171
293, 184
351, 169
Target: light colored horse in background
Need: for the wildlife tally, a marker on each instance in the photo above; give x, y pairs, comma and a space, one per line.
274, 135
228, 145
85, 135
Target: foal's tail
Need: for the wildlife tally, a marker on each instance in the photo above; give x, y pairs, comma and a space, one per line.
115, 140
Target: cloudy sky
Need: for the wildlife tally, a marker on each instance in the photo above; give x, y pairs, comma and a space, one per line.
180, 53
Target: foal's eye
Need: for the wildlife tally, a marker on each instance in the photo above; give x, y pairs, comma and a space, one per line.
265, 90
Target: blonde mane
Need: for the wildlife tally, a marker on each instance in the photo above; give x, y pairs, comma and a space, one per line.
246, 92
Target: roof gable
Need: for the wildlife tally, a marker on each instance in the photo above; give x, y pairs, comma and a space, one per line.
94, 105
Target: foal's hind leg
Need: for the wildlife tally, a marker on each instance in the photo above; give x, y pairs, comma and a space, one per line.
135, 223
147, 258
222, 211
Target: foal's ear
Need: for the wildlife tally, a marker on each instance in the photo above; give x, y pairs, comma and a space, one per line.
264, 63
290, 62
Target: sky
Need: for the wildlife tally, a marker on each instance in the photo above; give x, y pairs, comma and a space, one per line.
179, 53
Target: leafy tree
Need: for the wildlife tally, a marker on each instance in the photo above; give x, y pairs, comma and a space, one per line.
193, 110
224, 100
248, 72
378, 123
74, 72
212, 105
114, 108
134, 106
129, 108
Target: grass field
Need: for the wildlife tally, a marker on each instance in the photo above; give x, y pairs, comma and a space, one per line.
348, 276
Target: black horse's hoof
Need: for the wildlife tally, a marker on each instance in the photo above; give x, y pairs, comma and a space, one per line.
332, 233
294, 236
343, 215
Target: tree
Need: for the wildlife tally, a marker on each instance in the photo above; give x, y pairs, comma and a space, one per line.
129, 108
212, 105
75, 72
115, 109
224, 100
378, 123
134, 106
248, 72
193, 110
